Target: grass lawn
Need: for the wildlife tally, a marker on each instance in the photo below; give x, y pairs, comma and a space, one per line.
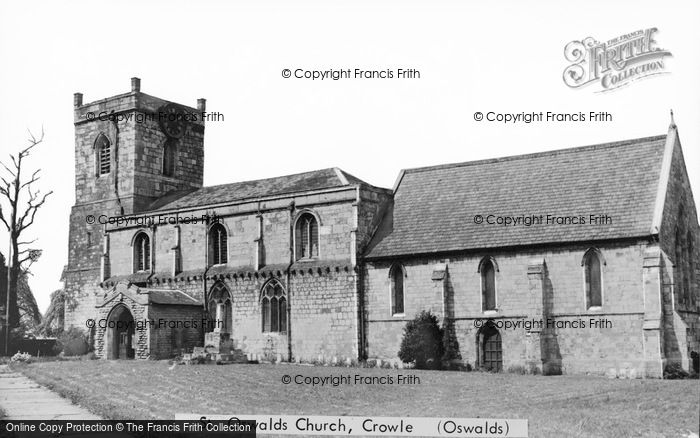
555, 406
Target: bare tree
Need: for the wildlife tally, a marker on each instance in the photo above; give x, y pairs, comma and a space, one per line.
19, 203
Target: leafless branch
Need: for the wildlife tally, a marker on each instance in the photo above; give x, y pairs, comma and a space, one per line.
5, 190
7, 168
16, 162
33, 142
33, 208
34, 179
22, 260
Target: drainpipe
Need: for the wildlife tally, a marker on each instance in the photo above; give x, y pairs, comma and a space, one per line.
206, 270
289, 280
154, 230
115, 159
357, 264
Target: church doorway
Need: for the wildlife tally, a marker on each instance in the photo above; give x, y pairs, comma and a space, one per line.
120, 333
490, 348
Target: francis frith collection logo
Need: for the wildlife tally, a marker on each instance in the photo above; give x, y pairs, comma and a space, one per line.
614, 63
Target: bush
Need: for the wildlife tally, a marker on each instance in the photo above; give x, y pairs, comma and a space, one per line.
422, 342
73, 342
674, 371
22, 357
37, 347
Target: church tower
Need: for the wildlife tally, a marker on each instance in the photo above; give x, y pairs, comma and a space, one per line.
130, 149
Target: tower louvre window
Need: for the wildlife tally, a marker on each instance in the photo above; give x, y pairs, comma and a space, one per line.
104, 155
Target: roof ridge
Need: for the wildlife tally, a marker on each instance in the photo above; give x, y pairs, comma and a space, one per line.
570, 150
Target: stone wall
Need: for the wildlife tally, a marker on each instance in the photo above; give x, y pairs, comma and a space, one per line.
558, 293
135, 179
324, 316
244, 235
321, 313
322, 293
175, 329
162, 331
102, 337
681, 319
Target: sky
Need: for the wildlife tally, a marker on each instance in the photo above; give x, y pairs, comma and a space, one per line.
498, 56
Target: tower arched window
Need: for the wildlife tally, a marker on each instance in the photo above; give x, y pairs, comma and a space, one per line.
593, 278
104, 155
397, 275
306, 234
142, 252
169, 157
273, 306
218, 245
488, 284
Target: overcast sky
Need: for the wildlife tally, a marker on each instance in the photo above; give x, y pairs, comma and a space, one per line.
505, 57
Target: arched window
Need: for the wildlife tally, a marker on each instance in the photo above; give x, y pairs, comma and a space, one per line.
488, 284
169, 157
691, 267
104, 155
679, 267
397, 275
592, 274
218, 245
306, 235
142, 252
220, 308
273, 305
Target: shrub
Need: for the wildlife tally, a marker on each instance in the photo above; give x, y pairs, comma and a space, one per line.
37, 347
22, 357
73, 342
675, 371
422, 342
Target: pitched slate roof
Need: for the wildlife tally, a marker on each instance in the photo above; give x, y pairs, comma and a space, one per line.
301, 182
145, 296
161, 296
434, 207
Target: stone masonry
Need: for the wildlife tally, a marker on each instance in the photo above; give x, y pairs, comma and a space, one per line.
337, 303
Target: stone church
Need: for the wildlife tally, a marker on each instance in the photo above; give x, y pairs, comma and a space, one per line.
580, 260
